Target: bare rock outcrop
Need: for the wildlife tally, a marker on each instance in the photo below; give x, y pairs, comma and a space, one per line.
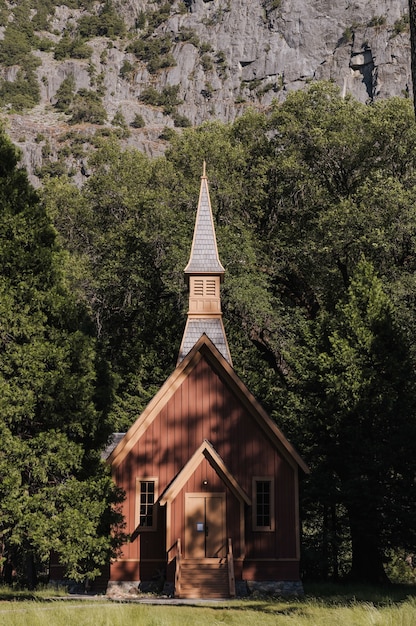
228, 55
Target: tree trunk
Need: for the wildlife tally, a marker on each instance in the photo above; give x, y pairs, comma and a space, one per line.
31, 573
412, 21
367, 561
334, 546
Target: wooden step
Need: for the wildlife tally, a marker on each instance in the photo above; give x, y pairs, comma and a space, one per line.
204, 580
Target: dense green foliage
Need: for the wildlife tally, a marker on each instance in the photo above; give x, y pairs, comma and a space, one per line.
87, 106
154, 51
72, 46
25, 24
107, 23
55, 492
65, 94
167, 98
314, 205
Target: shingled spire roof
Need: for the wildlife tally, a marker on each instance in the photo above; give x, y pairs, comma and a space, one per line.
204, 254
205, 273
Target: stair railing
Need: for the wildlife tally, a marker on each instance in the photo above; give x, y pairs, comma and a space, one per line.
178, 568
230, 563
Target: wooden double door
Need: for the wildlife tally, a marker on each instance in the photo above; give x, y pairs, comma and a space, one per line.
205, 528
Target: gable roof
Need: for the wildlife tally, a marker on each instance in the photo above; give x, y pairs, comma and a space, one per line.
204, 348
205, 450
114, 439
204, 257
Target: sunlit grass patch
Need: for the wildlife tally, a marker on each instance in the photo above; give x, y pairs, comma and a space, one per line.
327, 605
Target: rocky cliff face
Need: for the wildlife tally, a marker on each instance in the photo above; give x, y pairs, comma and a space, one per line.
211, 59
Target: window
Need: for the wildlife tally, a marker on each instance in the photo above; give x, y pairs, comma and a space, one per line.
146, 496
263, 503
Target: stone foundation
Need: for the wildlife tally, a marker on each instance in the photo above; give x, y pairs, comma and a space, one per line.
274, 588
122, 588
243, 588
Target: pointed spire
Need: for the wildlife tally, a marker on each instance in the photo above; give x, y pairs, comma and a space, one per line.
204, 254
204, 272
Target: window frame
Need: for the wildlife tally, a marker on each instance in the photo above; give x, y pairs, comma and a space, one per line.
271, 527
137, 515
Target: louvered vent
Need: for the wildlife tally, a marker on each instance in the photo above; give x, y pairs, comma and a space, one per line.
210, 287
199, 287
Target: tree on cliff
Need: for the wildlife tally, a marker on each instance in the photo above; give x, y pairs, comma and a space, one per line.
55, 492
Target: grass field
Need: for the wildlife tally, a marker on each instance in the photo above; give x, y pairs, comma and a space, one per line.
325, 606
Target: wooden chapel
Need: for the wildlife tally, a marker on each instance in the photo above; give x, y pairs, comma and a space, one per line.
211, 482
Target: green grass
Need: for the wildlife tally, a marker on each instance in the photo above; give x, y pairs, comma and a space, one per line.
323, 606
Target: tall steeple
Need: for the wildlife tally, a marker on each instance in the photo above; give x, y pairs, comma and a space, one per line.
204, 273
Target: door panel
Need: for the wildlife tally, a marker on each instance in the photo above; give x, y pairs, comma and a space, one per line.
195, 527
204, 525
214, 522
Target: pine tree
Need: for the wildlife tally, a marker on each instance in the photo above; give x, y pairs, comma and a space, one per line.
359, 384
50, 423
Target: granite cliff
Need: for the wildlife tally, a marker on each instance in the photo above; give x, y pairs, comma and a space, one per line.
184, 62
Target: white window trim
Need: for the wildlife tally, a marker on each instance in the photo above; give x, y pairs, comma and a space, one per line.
139, 481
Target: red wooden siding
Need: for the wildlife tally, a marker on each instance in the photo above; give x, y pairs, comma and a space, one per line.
204, 408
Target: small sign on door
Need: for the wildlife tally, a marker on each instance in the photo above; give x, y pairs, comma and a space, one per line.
200, 527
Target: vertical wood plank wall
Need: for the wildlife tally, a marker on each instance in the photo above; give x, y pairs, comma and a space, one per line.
204, 408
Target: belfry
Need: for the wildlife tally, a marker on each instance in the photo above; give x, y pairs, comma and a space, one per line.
204, 274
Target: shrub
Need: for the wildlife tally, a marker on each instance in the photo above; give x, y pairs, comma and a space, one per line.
206, 62
87, 107
167, 134
377, 20
272, 5
181, 121
22, 20
22, 93
156, 18
120, 121
4, 16
46, 150
347, 35
189, 35
155, 52
221, 61
138, 121
14, 48
51, 169
40, 21
167, 60
107, 23
168, 98
79, 49
126, 69
65, 94
151, 96
401, 25
205, 47
140, 22
73, 47
44, 44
